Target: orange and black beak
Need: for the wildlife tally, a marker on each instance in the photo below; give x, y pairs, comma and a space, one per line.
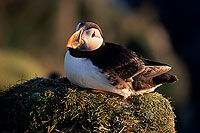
75, 40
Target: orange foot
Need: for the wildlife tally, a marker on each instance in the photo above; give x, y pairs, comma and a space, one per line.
97, 91
106, 92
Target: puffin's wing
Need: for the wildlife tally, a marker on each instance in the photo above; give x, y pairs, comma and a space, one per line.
153, 68
123, 61
129, 65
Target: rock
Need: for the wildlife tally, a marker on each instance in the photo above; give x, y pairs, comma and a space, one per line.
54, 105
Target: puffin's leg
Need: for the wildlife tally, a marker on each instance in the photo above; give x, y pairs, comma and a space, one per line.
101, 91
106, 92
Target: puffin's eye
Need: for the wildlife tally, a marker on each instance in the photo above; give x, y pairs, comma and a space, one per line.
93, 34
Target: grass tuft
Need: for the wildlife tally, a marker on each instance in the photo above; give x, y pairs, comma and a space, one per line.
54, 105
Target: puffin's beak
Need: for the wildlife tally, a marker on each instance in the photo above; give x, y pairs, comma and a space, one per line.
75, 40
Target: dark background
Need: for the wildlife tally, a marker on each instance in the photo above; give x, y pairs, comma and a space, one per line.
33, 36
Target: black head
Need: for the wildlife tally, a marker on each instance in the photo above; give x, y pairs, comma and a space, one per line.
88, 25
87, 37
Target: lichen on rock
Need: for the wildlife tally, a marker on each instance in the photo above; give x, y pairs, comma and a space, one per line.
55, 105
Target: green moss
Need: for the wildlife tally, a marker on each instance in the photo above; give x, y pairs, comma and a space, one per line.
46, 105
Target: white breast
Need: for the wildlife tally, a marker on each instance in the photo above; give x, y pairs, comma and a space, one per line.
82, 72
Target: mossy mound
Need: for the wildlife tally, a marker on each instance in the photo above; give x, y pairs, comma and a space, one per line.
46, 105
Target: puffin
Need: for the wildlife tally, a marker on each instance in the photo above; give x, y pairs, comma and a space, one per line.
91, 62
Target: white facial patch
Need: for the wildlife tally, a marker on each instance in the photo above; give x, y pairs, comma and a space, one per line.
92, 42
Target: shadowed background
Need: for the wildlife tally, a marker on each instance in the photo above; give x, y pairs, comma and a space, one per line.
33, 35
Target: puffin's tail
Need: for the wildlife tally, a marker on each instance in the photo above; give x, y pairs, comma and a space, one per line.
150, 84
165, 78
